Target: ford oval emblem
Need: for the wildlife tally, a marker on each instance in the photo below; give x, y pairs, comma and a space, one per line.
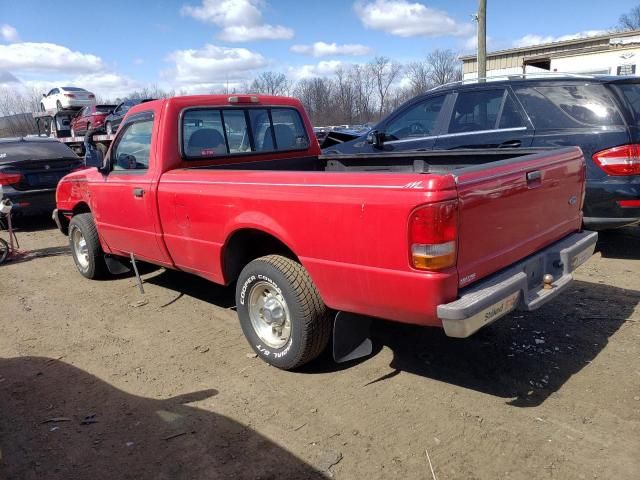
573, 200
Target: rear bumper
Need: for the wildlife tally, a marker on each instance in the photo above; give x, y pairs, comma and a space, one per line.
602, 209
518, 286
32, 202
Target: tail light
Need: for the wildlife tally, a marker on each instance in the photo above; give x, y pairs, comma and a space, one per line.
433, 230
10, 178
70, 95
623, 160
91, 95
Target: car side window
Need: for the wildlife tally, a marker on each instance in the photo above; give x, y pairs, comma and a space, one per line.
53, 92
478, 110
417, 121
133, 147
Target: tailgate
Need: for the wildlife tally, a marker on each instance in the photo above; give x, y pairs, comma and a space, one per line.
512, 208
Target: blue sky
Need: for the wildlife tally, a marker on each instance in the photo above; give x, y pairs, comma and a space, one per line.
197, 45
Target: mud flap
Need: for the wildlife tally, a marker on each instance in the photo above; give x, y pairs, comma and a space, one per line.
351, 337
115, 266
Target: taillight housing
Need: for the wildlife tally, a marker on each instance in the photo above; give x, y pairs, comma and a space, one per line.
91, 95
433, 232
70, 95
10, 178
619, 161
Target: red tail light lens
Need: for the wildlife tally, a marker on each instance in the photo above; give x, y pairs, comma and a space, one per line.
433, 231
623, 160
10, 178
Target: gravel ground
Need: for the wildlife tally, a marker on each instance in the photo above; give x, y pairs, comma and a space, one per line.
100, 382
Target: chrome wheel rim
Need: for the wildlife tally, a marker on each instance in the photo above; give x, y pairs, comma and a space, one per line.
80, 249
269, 314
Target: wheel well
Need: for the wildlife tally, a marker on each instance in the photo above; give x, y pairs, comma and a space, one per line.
247, 245
81, 208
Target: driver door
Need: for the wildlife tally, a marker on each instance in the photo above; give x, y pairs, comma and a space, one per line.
125, 198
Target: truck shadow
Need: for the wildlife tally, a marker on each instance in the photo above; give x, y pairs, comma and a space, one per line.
525, 357
194, 286
623, 243
60, 422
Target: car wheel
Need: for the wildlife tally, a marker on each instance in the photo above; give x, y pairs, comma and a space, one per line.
85, 247
108, 128
281, 313
4, 250
58, 106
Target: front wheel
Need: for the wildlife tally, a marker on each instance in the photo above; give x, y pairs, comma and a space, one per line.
281, 313
85, 247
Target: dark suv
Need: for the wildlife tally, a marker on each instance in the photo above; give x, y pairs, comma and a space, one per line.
599, 114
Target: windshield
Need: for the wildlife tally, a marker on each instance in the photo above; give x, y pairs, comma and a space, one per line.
73, 89
105, 108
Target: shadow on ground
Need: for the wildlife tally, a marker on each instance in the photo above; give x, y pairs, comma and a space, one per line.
194, 286
59, 422
524, 357
32, 223
623, 243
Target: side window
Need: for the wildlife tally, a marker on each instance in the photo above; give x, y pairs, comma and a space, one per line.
134, 147
202, 134
53, 92
569, 106
476, 110
418, 121
510, 116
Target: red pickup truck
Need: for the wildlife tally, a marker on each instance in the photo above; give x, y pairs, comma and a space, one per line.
234, 189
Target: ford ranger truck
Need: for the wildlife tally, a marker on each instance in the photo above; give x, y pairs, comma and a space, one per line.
234, 189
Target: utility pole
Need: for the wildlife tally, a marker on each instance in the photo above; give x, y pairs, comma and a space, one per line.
482, 39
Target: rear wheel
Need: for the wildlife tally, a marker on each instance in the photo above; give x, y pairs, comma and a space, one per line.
85, 247
281, 313
4, 250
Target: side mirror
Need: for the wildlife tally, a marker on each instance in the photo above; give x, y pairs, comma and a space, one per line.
375, 138
44, 94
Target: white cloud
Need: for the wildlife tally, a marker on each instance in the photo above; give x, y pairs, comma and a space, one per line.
240, 20
471, 44
213, 64
532, 39
8, 33
409, 19
40, 57
323, 49
325, 68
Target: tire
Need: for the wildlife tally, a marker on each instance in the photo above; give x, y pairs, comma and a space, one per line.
109, 128
4, 250
285, 287
88, 256
58, 106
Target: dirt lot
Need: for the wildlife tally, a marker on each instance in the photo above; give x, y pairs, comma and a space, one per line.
95, 385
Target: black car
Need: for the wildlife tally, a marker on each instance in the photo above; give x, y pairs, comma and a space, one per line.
600, 114
113, 120
30, 169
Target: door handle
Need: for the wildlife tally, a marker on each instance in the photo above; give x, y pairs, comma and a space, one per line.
510, 144
138, 192
534, 179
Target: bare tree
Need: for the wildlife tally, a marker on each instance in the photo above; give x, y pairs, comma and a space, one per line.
271, 83
363, 87
419, 76
444, 67
384, 73
15, 111
631, 20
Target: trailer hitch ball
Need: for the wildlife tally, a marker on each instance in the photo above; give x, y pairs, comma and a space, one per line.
548, 281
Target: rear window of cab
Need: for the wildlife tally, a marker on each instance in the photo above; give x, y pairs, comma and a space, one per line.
217, 132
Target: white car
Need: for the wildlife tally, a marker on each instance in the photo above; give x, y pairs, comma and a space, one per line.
61, 98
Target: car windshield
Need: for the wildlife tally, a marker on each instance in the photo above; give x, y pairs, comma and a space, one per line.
73, 89
105, 108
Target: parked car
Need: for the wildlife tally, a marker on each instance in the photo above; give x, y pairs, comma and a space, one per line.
90, 117
113, 120
447, 239
600, 114
61, 98
30, 168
